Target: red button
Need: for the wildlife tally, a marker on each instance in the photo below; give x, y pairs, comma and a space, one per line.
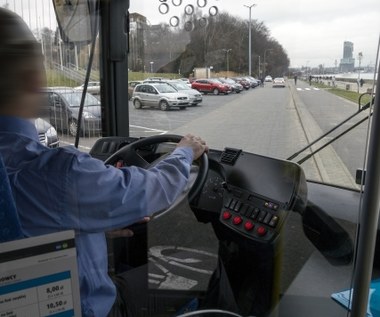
249, 226
226, 215
237, 220
261, 231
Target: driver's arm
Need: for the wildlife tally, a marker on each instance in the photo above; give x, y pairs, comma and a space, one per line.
101, 198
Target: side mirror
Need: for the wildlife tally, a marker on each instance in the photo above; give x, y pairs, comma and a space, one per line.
76, 20
327, 236
55, 101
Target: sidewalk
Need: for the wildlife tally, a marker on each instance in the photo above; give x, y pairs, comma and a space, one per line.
352, 86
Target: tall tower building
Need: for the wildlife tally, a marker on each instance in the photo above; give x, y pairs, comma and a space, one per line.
347, 63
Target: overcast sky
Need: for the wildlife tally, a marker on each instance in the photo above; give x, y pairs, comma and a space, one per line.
312, 32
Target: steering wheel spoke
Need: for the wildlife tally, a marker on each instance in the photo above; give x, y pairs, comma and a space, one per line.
135, 159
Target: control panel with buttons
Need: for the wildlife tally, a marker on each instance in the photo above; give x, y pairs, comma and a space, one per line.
251, 215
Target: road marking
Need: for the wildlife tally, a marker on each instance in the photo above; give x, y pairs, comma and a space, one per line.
171, 281
148, 129
156, 276
168, 280
79, 146
153, 281
307, 89
190, 268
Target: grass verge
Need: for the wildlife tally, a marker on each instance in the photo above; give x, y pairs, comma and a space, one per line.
346, 94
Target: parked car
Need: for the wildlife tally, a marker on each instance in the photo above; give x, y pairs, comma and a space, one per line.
254, 82
131, 87
161, 95
63, 104
268, 79
194, 96
187, 81
47, 134
278, 82
245, 83
93, 87
155, 78
236, 87
211, 86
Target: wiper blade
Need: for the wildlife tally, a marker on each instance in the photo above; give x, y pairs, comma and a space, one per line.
360, 109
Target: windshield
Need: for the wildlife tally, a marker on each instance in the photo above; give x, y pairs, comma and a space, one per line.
180, 86
74, 99
227, 80
215, 80
165, 88
307, 78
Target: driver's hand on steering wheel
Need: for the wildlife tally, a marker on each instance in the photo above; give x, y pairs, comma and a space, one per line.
198, 145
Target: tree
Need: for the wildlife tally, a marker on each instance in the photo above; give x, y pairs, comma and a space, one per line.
207, 45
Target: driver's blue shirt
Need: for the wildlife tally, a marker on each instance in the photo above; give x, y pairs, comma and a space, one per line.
63, 188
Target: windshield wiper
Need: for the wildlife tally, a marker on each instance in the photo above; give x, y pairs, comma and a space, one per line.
360, 109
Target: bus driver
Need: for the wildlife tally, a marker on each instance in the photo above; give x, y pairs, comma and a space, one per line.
62, 188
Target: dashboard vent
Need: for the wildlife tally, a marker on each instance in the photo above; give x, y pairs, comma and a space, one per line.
229, 156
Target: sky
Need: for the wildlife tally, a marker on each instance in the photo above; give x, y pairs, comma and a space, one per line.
311, 32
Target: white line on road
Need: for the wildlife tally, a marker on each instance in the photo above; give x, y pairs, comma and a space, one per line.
299, 89
190, 268
153, 281
156, 276
307, 89
79, 146
316, 88
148, 129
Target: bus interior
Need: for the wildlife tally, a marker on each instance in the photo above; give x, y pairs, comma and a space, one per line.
281, 216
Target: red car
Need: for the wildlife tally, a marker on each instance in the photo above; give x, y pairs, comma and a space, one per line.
211, 86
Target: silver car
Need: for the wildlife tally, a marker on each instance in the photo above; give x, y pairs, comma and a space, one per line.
160, 95
194, 95
46, 133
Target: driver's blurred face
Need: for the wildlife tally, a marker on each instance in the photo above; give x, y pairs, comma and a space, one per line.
21, 67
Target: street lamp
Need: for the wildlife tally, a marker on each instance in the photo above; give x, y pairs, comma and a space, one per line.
151, 67
227, 50
250, 39
259, 67
265, 53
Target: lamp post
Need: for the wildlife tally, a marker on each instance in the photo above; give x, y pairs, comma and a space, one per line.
250, 39
151, 67
227, 50
259, 67
265, 53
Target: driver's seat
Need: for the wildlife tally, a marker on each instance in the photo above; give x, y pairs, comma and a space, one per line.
10, 227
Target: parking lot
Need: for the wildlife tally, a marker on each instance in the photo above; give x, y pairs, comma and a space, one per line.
152, 121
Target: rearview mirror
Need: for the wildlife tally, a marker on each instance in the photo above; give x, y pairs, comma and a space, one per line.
327, 235
76, 20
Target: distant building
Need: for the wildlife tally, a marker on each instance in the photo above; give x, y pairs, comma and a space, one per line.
138, 26
347, 63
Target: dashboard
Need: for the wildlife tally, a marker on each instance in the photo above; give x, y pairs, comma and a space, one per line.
250, 195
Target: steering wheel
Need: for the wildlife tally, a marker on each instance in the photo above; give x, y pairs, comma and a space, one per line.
130, 156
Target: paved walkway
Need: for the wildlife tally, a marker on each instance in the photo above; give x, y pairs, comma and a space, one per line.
352, 86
